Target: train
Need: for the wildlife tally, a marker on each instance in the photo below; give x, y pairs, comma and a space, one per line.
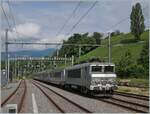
89, 78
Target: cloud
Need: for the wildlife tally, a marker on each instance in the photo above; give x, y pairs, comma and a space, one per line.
25, 31
40, 21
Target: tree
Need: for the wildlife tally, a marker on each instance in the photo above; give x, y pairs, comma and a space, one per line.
123, 63
144, 58
97, 37
117, 32
137, 21
74, 50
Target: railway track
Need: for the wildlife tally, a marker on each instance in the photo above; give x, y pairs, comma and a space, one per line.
142, 97
127, 104
136, 107
74, 107
17, 96
4, 102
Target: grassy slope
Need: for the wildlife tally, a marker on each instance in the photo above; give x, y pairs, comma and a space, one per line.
118, 50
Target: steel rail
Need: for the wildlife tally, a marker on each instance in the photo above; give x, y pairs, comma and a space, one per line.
112, 101
22, 98
6, 100
142, 97
77, 105
59, 108
141, 105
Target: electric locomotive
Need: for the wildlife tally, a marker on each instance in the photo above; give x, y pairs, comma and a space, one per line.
89, 78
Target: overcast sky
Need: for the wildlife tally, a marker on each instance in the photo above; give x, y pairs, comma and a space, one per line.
40, 21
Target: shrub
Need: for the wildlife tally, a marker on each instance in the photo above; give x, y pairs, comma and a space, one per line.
127, 41
135, 70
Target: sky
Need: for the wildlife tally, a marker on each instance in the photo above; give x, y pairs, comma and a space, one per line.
40, 21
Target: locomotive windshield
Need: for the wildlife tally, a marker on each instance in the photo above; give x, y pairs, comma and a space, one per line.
109, 69
96, 68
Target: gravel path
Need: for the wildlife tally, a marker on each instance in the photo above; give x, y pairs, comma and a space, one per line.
7, 90
90, 103
15, 98
65, 105
43, 104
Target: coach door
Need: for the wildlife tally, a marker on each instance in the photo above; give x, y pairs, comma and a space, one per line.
86, 76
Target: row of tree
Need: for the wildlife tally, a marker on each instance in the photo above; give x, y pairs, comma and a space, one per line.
79, 39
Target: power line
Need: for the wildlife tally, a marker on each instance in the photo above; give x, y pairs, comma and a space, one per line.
70, 17
40, 43
124, 19
13, 18
82, 17
7, 20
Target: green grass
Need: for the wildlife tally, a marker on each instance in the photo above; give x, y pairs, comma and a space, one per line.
138, 82
118, 49
116, 52
117, 39
134, 90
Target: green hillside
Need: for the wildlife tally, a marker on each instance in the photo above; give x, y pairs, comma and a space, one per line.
120, 44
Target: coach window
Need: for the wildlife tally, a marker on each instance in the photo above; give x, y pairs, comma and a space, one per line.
74, 73
57, 74
109, 69
96, 68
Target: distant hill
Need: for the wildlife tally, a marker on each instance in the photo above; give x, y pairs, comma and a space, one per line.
30, 53
121, 43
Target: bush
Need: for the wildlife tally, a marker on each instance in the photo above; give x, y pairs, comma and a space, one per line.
123, 64
127, 41
135, 70
144, 59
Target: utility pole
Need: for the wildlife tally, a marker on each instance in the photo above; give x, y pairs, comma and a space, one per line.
8, 68
6, 54
18, 69
15, 67
79, 50
57, 53
65, 59
72, 60
109, 48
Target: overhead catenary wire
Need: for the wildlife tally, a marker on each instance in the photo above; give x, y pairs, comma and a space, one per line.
13, 18
7, 20
9, 25
69, 18
80, 19
121, 21
124, 19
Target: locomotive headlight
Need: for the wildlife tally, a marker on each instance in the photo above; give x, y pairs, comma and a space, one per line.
110, 81
93, 82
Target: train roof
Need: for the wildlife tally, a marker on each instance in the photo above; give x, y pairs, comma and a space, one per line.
92, 63
78, 66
